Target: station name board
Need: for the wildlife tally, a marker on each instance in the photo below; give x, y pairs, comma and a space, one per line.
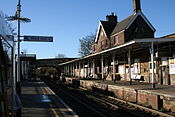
38, 38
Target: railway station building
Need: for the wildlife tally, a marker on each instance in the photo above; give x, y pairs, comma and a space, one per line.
127, 50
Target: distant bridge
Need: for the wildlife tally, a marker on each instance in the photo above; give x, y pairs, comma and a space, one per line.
52, 62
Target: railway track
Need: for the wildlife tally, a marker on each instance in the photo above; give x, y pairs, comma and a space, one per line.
91, 104
134, 108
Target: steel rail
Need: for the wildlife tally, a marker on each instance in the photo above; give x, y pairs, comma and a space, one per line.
108, 111
76, 99
131, 104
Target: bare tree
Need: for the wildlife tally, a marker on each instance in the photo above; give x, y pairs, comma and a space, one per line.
60, 56
86, 44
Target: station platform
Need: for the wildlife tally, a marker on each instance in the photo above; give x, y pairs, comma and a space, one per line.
38, 100
164, 90
161, 97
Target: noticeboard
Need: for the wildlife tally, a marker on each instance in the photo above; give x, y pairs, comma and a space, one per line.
171, 65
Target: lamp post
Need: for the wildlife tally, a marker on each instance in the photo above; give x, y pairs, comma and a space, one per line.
18, 14
18, 18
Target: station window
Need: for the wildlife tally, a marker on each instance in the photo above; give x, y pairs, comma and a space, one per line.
116, 40
103, 43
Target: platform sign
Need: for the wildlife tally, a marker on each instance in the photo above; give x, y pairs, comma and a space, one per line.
38, 38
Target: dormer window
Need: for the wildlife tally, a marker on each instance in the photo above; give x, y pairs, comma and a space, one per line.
116, 40
103, 44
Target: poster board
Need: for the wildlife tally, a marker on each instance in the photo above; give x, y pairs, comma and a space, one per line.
121, 69
172, 65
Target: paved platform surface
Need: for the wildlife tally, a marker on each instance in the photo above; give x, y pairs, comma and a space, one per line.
164, 90
159, 89
39, 101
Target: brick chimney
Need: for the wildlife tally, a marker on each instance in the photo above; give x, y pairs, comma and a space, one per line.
137, 6
111, 18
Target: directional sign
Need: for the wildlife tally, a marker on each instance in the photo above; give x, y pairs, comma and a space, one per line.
38, 38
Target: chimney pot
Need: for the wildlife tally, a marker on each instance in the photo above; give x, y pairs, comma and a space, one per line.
137, 6
111, 18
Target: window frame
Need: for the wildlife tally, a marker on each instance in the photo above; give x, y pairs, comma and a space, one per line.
116, 40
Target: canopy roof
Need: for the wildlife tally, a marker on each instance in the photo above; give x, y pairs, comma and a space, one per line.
135, 44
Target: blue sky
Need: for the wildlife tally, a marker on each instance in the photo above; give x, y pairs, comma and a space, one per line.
69, 20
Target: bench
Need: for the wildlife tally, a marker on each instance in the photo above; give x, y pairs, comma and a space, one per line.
137, 77
117, 77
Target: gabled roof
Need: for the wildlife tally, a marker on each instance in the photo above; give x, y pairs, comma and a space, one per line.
107, 27
122, 24
111, 28
126, 23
